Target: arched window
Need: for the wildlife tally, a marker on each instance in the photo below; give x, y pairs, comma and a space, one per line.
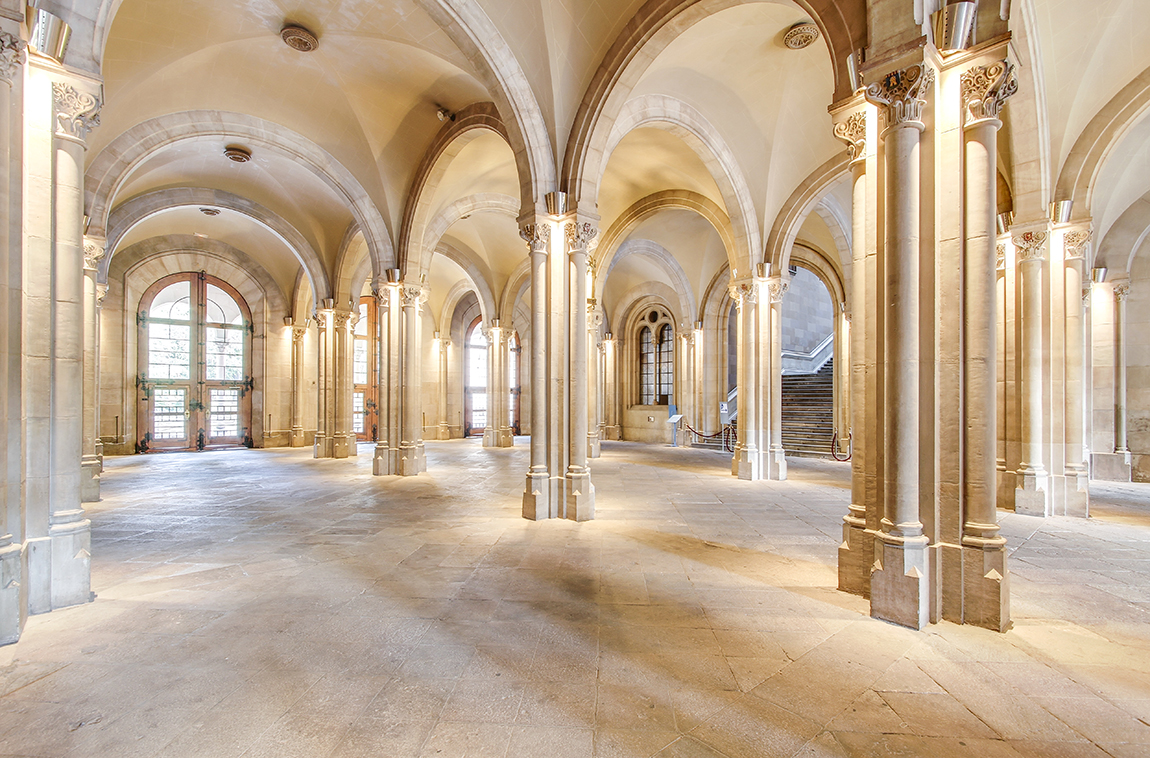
475, 380
364, 370
656, 359
195, 382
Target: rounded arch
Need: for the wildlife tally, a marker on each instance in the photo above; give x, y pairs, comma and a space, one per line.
455, 135
474, 271
842, 23
454, 297
821, 265
110, 169
1078, 179
795, 211
1124, 238
509, 301
131, 212
483, 202
649, 206
688, 124
638, 299
352, 267
1026, 113
685, 299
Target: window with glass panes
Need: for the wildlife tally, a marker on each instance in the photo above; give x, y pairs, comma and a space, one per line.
364, 371
475, 379
656, 357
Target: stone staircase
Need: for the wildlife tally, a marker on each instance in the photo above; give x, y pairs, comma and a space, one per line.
808, 413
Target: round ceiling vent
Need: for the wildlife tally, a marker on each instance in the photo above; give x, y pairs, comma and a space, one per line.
210, 211
298, 38
801, 35
238, 154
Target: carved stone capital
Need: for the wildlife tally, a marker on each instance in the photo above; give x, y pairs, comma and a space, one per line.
1086, 291
298, 333
77, 113
1031, 246
902, 94
1121, 291
1000, 260
321, 319
776, 288
537, 236
383, 297
101, 293
852, 131
94, 249
985, 89
580, 238
414, 295
341, 319
1076, 243
744, 291
12, 56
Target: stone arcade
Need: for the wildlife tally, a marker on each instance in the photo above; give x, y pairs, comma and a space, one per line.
360, 228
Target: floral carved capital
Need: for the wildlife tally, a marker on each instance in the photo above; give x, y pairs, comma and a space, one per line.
1076, 243
77, 113
537, 236
298, 333
985, 89
94, 250
852, 131
1121, 291
776, 288
581, 238
1031, 246
902, 94
101, 294
414, 295
11, 56
1000, 258
743, 291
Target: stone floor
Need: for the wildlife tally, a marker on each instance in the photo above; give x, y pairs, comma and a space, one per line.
261, 603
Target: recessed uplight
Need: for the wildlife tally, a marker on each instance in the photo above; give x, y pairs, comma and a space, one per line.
210, 211
238, 154
299, 39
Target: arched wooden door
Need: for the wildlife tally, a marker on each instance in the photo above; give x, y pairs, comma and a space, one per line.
194, 382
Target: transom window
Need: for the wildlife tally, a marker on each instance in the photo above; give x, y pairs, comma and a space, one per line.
656, 359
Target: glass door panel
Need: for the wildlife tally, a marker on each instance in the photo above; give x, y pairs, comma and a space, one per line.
170, 415
223, 417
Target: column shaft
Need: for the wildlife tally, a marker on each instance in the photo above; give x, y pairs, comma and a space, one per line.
1077, 472
1031, 497
412, 456
1121, 291
325, 393
298, 338
580, 490
776, 461
536, 503
444, 427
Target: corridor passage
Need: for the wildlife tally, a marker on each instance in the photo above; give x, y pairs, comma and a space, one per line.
263, 603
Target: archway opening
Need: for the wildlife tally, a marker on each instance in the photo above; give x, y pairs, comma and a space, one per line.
808, 346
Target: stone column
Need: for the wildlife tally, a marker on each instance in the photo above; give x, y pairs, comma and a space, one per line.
613, 430
536, 503
11, 571
325, 399
90, 464
386, 459
444, 430
298, 338
745, 463
343, 437
986, 592
77, 112
594, 415
1031, 497
1121, 292
698, 410
1077, 470
580, 490
776, 460
412, 458
856, 553
498, 430
900, 584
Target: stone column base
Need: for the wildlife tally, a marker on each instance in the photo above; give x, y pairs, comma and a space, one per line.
443, 432
1077, 492
747, 465
593, 448
71, 563
900, 584
11, 582
90, 479
1030, 498
490, 437
340, 447
535, 506
776, 465
613, 433
38, 574
100, 454
412, 460
323, 446
1110, 467
856, 555
383, 462
506, 437
298, 439
580, 495
986, 586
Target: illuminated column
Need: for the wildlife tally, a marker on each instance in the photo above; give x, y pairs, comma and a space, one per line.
1031, 497
1077, 470
856, 554
412, 458
325, 382
900, 586
536, 501
1121, 292
11, 571
343, 437
444, 346
298, 339
77, 112
613, 429
90, 463
497, 433
698, 414
986, 592
580, 490
776, 461
594, 407
385, 462
745, 463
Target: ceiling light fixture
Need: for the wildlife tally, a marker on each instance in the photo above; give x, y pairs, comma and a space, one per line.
298, 38
238, 154
444, 115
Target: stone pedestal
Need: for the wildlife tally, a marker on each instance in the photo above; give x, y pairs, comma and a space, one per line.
1111, 467
900, 586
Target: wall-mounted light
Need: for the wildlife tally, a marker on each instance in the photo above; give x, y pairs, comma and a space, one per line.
49, 35
1060, 211
1098, 275
952, 25
556, 203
